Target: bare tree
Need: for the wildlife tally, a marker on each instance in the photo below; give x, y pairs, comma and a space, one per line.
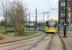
14, 12
3, 10
19, 19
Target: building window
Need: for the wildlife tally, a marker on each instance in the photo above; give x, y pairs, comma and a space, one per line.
69, 14
62, 14
62, 9
68, 4
62, 3
69, 0
68, 9
62, 0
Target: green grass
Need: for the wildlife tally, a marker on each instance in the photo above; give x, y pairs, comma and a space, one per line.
30, 29
27, 31
2, 29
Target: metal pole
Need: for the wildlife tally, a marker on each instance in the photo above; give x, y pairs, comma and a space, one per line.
25, 20
66, 15
29, 18
69, 23
48, 14
36, 19
59, 17
36, 15
43, 16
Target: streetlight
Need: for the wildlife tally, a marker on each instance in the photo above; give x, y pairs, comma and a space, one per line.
66, 15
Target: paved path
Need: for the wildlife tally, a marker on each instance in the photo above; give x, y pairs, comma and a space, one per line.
68, 40
43, 45
57, 43
52, 42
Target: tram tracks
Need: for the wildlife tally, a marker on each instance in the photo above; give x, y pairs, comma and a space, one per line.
26, 44
56, 43
33, 45
43, 43
18, 44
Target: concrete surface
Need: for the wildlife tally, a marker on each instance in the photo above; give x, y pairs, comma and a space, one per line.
68, 40
57, 43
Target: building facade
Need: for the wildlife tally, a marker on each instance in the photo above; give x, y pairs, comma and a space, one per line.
70, 11
61, 12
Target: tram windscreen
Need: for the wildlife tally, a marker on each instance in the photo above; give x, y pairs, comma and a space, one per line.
51, 23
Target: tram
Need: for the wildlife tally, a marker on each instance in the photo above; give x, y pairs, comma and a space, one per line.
50, 26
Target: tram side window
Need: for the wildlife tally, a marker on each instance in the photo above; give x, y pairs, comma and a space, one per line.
55, 24
47, 23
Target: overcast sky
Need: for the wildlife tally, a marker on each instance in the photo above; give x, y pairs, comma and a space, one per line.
42, 5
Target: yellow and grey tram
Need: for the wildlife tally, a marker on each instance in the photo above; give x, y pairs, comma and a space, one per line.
50, 26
